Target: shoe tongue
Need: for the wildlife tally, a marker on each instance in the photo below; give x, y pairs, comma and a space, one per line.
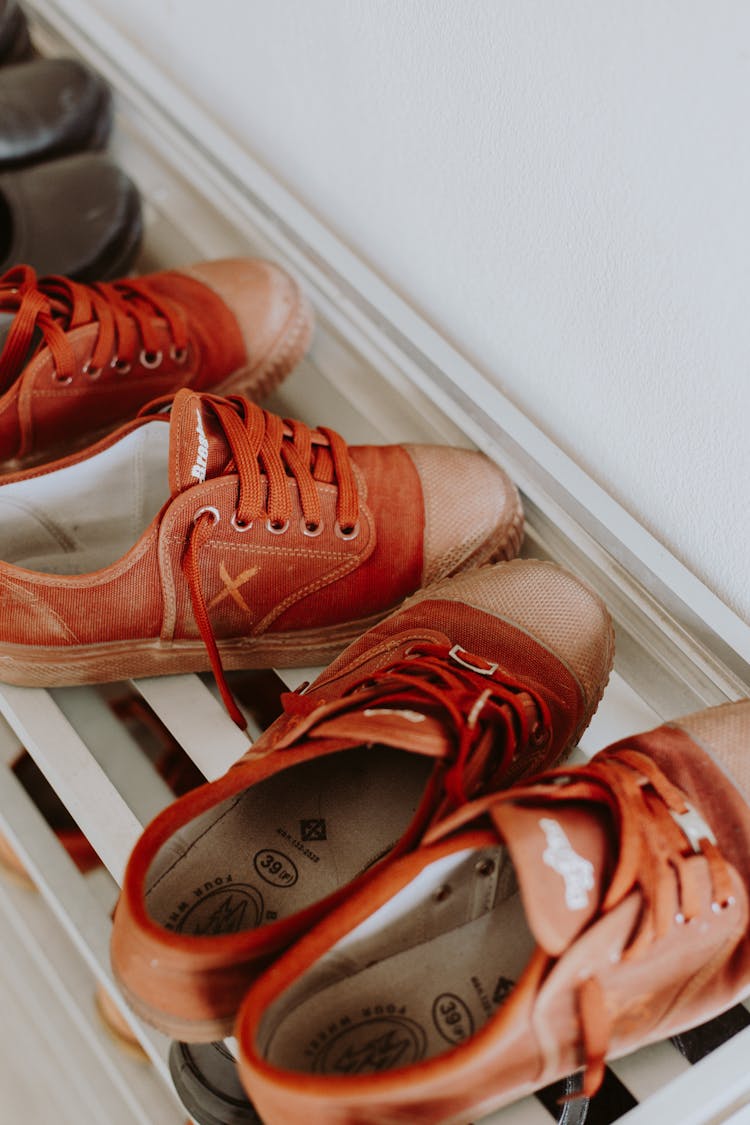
198, 449
561, 859
389, 726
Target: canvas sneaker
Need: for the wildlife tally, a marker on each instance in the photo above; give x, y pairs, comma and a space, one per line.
474, 682
76, 360
549, 927
216, 535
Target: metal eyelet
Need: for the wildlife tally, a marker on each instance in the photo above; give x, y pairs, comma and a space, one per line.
91, 372
717, 907
151, 359
120, 366
238, 525
443, 892
455, 654
279, 530
485, 867
680, 919
179, 355
210, 510
62, 381
311, 530
346, 533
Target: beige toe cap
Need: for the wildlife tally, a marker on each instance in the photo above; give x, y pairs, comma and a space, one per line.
269, 306
472, 510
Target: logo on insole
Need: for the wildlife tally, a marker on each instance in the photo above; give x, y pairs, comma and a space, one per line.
503, 989
313, 829
371, 1045
452, 1018
225, 910
577, 872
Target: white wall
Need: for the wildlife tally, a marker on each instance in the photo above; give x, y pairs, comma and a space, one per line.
561, 186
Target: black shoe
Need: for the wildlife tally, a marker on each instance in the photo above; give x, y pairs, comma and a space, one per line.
79, 216
49, 108
206, 1079
15, 44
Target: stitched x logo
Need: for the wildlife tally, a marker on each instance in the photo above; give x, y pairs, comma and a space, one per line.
232, 587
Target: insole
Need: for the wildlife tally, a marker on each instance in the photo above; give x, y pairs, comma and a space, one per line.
411, 1006
286, 842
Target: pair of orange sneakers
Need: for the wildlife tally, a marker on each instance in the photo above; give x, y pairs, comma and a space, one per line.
394, 907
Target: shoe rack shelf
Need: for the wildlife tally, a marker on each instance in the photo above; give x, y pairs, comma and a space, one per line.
376, 373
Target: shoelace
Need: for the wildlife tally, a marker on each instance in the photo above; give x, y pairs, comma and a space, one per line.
488, 715
267, 448
657, 827
51, 306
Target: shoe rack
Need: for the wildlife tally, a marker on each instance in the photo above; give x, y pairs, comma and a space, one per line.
376, 372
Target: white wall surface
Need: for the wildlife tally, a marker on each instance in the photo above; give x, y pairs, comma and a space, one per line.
562, 187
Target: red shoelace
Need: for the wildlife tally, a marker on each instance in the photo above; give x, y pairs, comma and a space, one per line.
488, 716
266, 452
50, 307
658, 832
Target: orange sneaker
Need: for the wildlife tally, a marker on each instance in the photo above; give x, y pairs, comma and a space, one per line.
76, 360
558, 924
219, 536
474, 682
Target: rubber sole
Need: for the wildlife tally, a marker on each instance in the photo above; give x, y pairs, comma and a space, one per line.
206, 1079
48, 666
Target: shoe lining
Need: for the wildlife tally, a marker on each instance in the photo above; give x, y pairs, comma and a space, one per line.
87, 515
417, 979
286, 842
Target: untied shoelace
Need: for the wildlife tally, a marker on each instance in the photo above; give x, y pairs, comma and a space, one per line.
267, 448
488, 715
52, 306
654, 820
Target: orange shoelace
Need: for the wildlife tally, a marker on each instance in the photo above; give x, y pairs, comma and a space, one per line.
659, 832
488, 716
266, 453
50, 307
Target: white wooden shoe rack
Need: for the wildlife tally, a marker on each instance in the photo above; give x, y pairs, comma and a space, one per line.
377, 373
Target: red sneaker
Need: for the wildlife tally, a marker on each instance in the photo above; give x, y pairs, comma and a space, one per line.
555, 925
219, 535
477, 681
79, 359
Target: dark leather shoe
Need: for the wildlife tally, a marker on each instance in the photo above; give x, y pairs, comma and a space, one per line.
79, 216
15, 43
51, 107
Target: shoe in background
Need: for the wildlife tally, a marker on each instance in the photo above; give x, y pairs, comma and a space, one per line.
77, 360
51, 108
15, 42
79, 216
